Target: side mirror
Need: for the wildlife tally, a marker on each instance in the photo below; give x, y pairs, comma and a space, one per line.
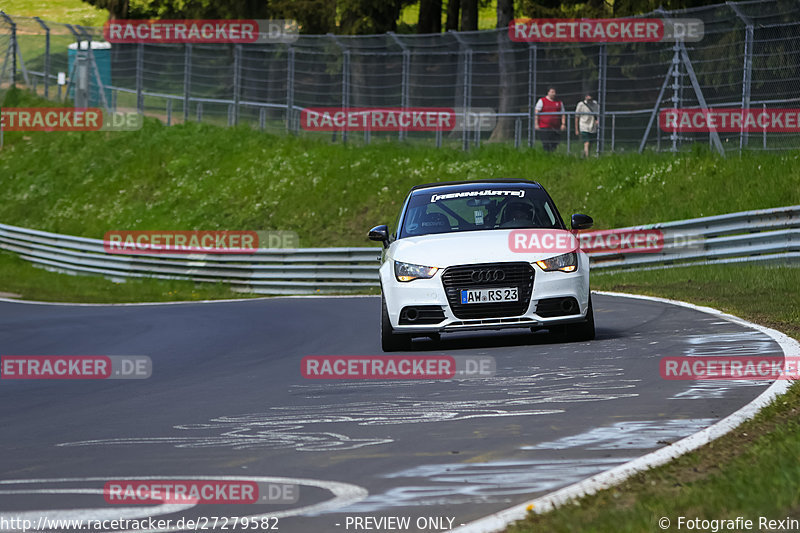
380, 233
580, 221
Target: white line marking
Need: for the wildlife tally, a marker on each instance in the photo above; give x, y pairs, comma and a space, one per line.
344, 494
500, 520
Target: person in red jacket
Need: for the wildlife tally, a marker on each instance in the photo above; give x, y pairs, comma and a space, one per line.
550, 126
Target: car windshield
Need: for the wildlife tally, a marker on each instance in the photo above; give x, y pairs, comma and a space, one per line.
478, 207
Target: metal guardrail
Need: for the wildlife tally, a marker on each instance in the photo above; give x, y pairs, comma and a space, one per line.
771, 235
764, 235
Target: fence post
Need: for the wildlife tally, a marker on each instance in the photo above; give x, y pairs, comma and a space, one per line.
601, 96
747, 70
139, 77
187, 79
467, 88
237, 81
46, 56
532, 56
613, 130
676, 73
569, 130
404, 90
100, 85
345, 79
169, 111
289, 87
12, 48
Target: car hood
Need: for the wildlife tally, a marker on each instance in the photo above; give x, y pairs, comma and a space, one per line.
460, 248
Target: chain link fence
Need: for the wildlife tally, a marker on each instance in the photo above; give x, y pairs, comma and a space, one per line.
749, 58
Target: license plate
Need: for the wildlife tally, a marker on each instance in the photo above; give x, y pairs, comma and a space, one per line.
485, 296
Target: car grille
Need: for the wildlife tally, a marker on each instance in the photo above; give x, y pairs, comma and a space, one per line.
488, 276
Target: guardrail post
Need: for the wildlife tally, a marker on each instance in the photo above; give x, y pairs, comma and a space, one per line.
187, 79
46, 56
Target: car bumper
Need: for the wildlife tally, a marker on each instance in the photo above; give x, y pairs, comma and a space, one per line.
543, 310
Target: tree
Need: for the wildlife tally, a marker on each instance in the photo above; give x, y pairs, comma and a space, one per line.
430, 16
506, 75
117, 9
505, 13
469, 15
365, 17
453, 10
315, 17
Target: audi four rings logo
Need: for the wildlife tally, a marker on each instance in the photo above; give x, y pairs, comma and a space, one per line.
488, 275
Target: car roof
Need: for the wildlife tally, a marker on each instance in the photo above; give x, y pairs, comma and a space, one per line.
456, 184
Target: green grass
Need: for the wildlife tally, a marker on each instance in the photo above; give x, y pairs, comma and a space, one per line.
766, 295
19, 279
198, 176
752, 471
65, 11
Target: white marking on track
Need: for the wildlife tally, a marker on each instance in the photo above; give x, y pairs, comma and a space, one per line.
344, 494
293, 426
631, 435
472, 483
791, 348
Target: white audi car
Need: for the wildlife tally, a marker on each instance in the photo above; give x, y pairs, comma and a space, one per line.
480, 255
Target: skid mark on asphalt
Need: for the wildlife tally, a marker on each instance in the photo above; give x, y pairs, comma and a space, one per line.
644, 434
497, 481
739, 343
727, 344
474, 483
292, 426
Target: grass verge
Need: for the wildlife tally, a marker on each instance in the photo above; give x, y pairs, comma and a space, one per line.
20, 279
198, 176
752, 471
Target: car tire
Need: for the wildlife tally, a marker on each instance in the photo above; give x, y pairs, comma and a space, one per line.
584, 331
576, 332
391, 341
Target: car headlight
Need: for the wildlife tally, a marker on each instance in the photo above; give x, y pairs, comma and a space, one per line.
564, 263
409, 272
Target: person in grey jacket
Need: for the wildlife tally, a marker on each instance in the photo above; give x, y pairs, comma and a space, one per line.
586, 114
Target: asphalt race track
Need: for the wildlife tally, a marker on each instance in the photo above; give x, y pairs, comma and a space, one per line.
226, 398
